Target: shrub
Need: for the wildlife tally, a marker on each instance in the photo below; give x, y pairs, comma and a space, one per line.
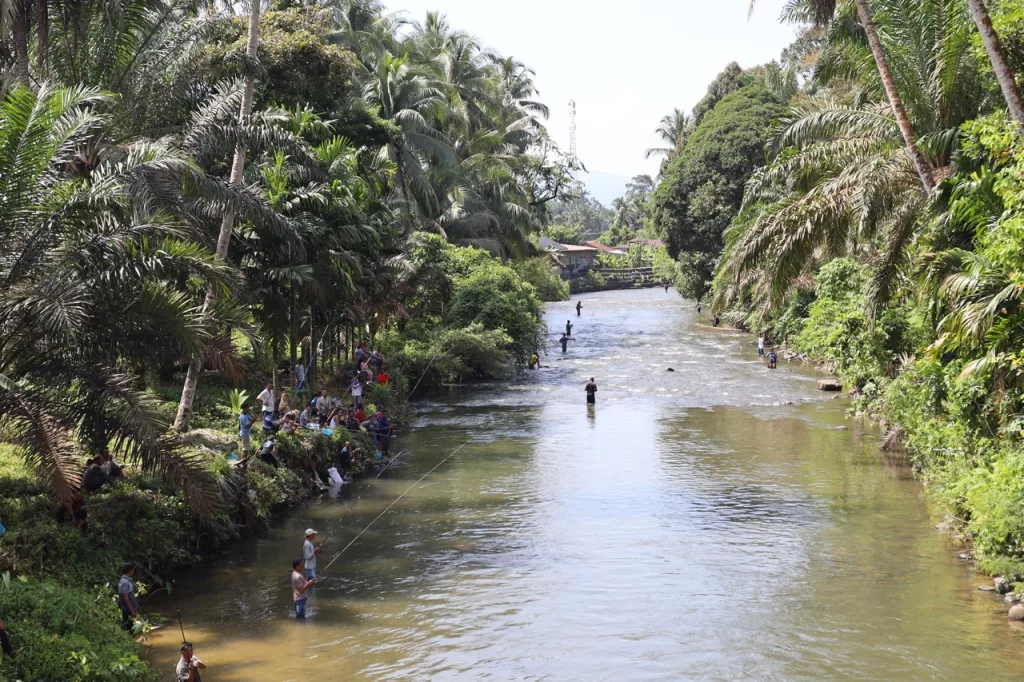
67, 634
539, 273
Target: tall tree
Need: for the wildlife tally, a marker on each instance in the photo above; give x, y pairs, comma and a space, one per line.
822, 12
227, 225
673, 129
997, 55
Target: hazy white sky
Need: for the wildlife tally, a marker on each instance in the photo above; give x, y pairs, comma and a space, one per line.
626, 64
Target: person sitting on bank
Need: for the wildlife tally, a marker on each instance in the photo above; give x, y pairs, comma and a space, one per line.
299, 586
5, 642
74, 512
111, 468
305, 417
189, 666
126, 597
93, 478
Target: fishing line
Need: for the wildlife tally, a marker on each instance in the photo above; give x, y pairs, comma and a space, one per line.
366, 487
397, 500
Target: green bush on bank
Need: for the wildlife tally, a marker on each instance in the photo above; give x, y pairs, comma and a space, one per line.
66, 634
539, 273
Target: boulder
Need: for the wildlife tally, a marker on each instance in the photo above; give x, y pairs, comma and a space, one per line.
1002, 585
1017, 612
830, 385
986, 588
1011, 598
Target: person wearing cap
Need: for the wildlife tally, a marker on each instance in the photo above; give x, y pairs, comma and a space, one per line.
189, 665
309, 552
299, 586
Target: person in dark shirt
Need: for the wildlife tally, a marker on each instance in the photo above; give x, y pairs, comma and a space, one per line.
74, 512
5, 641
94, 477
568, 328
773, 359
591, 389
579, 307
111, 468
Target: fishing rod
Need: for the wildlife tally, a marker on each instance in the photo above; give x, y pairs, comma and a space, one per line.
177, 606
397, 500
366, 487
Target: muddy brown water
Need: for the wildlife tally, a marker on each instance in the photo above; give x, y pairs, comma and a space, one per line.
693, 525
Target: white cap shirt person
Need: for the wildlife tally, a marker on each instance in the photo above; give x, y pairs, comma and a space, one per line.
189, 665
267, 398
309, 552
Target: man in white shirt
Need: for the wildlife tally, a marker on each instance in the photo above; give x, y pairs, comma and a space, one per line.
760, 346
309, 552
357, 391
300, 374
267, 398
323, 406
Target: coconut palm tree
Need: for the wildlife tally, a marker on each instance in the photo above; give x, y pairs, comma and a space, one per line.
997, 55
822, 12
673, 129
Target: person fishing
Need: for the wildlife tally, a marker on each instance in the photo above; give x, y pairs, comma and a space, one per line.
579, 307
189, 666
564, 341
299, 586
591, 389
666, 287
773, 359
568, 328
534, 361
309, 552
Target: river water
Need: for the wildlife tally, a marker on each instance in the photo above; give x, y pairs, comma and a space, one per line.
715, 522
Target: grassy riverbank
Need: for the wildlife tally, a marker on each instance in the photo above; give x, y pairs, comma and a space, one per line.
60, 607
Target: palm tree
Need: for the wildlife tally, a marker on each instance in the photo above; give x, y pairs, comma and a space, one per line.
997, 55
822, 12
89, 288
673, 129
188, 391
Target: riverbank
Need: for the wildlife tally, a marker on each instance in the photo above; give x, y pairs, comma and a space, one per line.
143, 520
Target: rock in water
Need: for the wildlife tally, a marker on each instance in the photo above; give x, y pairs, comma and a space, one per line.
830, 385
986, 588
669, 370
1002, 585
1017, 612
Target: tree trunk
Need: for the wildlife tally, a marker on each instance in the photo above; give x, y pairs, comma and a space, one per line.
997, 55
920, 164
227, 225
19, 36
42, 37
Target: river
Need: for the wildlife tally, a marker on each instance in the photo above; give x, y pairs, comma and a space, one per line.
715, 522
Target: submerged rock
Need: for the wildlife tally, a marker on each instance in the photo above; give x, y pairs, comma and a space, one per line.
669, 370
1011, 598
986, 588
1016, 612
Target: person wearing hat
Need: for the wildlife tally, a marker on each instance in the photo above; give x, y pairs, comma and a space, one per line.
189, 665
309, 552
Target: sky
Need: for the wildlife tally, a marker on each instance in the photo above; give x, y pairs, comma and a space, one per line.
625, 64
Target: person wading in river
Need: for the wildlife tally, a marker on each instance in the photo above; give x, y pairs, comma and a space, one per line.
591, 389
564, 341
309, 552
189, 665
568, 328
579, 307
299, 586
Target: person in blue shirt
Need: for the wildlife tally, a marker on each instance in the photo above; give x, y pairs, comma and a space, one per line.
269, 425
126, 597
384, 429
245, 429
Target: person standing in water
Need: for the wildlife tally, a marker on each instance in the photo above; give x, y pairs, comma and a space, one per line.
591, 389
564, 341
773, 360
760, 345
568, 328
579, 307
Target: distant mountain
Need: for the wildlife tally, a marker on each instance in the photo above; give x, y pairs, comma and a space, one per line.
604, 187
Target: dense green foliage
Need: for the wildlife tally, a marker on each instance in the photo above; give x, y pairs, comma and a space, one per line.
881, 233
703, 187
